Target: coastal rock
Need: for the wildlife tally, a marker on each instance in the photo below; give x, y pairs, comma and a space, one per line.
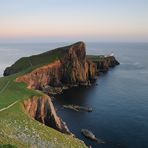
68, 67
42, 109
53, 72
46, 75
105, 63
76, 68
72, 68
78, 108
88, 134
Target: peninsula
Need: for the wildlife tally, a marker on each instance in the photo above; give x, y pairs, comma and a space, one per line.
28, 117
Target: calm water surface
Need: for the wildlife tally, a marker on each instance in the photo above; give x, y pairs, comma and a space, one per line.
119, 99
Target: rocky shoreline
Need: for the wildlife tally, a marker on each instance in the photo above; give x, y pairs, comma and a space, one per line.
73, 68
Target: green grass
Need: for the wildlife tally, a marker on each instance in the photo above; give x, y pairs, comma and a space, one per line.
14, 91
35, 61
18, 91
20, 130
39, 60
7, 146
16, 127
95, 58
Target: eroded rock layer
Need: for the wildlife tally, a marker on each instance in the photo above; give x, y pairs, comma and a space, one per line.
105, 63
42, 109
72, 68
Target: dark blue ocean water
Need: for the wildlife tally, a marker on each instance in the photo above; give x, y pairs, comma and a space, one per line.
119, 100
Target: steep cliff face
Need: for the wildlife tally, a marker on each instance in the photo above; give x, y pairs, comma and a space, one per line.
76, 68
50, 74
42, 110
71, 68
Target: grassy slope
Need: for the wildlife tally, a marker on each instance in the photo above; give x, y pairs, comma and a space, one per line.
36, 60
16, 127
20, 130
95, 58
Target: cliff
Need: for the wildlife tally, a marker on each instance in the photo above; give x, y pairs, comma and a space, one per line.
103, 63
53, 71
77, 69
71, 68
42, 110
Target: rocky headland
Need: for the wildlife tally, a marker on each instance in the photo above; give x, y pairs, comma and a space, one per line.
70, 67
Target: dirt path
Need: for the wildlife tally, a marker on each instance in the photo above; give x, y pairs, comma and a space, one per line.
30, 62
8, 106
1, 91
4, 88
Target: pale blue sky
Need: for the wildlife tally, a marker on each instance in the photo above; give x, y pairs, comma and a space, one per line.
66, 20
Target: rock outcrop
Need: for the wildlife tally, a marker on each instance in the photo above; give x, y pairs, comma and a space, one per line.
104, 63
72, 68
76, 68
42, 109
50, 74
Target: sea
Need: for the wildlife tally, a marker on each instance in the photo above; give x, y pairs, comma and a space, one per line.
119, 98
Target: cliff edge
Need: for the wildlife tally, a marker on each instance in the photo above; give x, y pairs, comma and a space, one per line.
53, 71
71, 68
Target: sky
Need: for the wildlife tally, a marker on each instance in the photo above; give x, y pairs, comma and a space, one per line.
70, 20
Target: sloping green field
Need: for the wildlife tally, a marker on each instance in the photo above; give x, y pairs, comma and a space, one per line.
18, 129
13, 91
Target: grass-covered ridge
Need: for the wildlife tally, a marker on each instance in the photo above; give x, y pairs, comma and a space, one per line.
95, 58
38, 60
16, 127
34, 61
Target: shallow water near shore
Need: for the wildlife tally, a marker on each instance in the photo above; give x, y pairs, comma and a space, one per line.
119, 98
